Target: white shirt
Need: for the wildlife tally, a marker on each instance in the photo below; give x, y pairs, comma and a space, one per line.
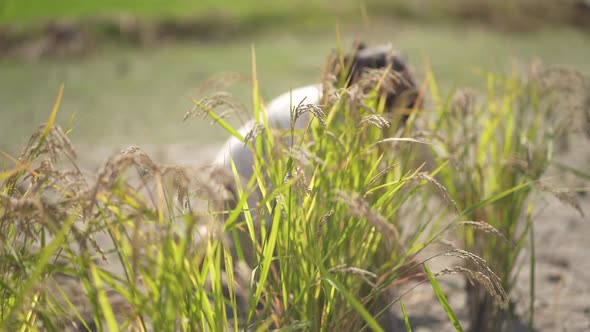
278, 115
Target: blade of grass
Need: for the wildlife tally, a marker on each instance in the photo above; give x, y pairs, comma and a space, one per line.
371, 322
219, 120
532, 268
442, 299
72, 307
107, 310
39, 268
405, 316
30, 316
56, 104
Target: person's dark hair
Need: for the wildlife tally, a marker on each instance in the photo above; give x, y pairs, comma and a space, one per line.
364, 64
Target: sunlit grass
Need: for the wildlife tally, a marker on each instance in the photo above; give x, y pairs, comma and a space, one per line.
334, 242
500, 146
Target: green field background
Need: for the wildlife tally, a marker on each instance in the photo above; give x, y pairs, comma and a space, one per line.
122, 95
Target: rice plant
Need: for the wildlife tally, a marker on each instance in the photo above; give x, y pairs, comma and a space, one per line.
331, 237
335, 238
498, 147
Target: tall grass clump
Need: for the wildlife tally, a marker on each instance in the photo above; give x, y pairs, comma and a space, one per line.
498, 147
130, 247
341, 218
327, 235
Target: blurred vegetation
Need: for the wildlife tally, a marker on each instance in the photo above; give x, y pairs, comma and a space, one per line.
519, 13
119, 94
243, 16
124, 96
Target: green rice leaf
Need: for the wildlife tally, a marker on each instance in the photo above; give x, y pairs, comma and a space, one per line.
219, 120
442, 299
371, 322
405, 316
107, 310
